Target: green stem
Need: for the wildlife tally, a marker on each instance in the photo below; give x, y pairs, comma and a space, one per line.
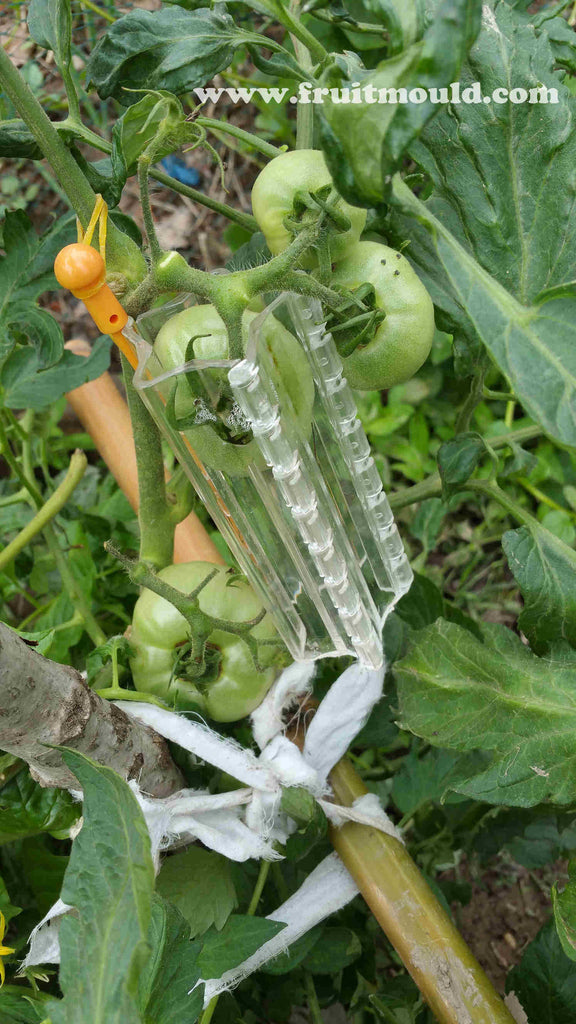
304, 111
71, 94
492, 490
77, 188
75, 592
156, 526
313, 1004
304, 284
299, 31
497, 396
45, 514
223, 127
149, 226
209, 1011
245, 220
475, 396
258, 888
119, 693
98, 10
432, 486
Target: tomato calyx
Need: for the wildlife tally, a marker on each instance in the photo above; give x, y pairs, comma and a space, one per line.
357, 320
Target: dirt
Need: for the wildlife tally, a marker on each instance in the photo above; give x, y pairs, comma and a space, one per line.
508, 907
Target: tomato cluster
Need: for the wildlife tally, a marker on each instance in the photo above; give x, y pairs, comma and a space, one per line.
383, 327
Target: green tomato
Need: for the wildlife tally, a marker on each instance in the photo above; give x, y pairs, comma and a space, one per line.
234, 686
403, 340
291, 377
274, 192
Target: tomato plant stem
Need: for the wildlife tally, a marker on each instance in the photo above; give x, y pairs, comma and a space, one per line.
77, 188
258, 888
313, 1004
432, 486
49, 509
156, 525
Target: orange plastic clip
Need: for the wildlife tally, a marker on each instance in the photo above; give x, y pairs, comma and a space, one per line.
81, 269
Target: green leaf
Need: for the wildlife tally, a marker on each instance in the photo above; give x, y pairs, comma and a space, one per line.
422, 780
516, 711
457, 460
364, 143
200, 884
428, 521
27, 809
339, 948
294, 956
564, 904
19, 1005
298, 804
170, 49
50, 25
28, 385
17, 141
240, 937
391, 418
109, 882
402, 19
501, 265
172, 971
519, 461
544, 568
44, 872
6, 907
156, 115
545, 980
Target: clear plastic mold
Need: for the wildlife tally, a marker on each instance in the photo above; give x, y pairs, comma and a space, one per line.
295, 493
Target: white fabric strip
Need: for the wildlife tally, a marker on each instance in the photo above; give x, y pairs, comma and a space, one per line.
366, 810
327, 889
292, 685
206, 744
343, 712
44, 938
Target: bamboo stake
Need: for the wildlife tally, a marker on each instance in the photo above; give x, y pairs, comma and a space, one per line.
104, 415
449, 977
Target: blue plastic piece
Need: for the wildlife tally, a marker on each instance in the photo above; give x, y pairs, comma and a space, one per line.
177, 168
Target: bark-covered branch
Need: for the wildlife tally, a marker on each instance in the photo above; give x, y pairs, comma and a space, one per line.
42, 703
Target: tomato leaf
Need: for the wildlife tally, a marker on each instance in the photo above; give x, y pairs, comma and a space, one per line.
109, 882
50, 25
564, 904
28, 385
17, 141
26, 809
457, 460
339, 948
240, 937
20, 1005
501, 266
544, 568
496, 698
200, 884
170, 49
173, 970
364, 143
545, 980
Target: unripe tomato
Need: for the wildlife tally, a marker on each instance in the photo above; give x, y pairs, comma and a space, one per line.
291, 377
274, 192
403, 340
234, 686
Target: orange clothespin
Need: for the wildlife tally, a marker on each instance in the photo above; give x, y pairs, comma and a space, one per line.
82, 270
